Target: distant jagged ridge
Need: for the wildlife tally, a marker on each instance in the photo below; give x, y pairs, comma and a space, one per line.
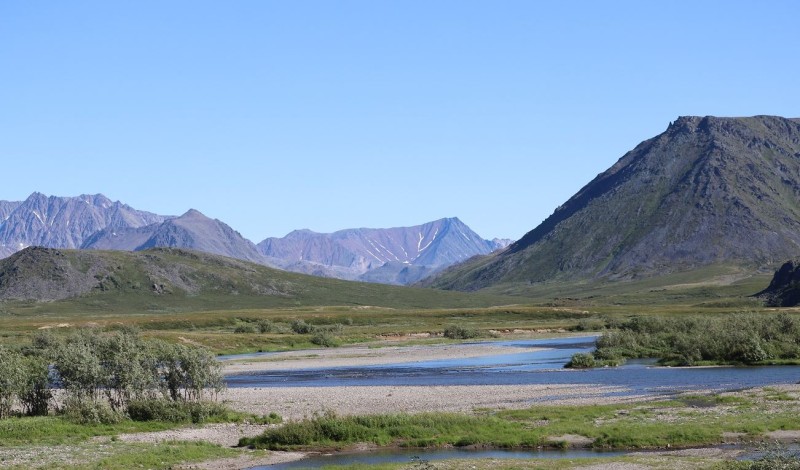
397, 255
707, 191
63, 222
393, 256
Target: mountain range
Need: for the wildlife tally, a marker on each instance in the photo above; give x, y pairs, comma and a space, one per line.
393, 256
64, 222
707, 191
399, 255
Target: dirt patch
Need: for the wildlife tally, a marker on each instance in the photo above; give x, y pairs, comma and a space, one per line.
706, 452
59, 325
188, 341
250, 459
733, 436
299, 402
615, 466
572, 440
785, 435
226, 435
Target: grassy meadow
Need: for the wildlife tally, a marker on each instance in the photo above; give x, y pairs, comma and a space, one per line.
229, 323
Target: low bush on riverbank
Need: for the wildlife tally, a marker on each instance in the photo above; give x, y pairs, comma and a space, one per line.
581, 361
177, 411
459, 332
686, 341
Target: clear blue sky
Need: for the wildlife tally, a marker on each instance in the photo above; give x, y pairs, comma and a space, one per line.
273, 116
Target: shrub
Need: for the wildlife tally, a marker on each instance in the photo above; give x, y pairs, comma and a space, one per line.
459, 332
323, 338
186, 373
590, 324
265, 326
581, 361
11, 375
35, 392
102, 373
243, 327
25, 381
301, 327
174, 411
84, 411
736, 338
751, 351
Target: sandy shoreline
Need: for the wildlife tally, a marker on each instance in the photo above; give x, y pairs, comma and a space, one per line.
364, 356
299, 402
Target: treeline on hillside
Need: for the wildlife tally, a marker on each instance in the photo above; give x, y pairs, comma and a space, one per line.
106, 377
742, 338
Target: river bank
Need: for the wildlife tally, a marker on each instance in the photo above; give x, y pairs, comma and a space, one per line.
298, 402
356, 356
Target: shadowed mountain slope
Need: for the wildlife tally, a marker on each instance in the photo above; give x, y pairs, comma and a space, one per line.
784, 289
707, 191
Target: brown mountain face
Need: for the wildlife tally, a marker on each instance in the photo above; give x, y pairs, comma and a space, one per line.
706, 191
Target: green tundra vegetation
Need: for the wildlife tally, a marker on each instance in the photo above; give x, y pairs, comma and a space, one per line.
683, 422
742, 338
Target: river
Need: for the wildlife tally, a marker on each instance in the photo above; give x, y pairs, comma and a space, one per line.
527, 367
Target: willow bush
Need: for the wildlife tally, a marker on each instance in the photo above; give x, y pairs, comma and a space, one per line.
103, 373
740, 338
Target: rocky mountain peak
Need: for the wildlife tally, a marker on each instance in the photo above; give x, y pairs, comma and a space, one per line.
193, 213
708, 190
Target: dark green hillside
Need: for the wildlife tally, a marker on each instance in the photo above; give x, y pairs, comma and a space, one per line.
163, 279
707, 192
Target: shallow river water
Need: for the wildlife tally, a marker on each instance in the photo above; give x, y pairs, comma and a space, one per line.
526, 367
